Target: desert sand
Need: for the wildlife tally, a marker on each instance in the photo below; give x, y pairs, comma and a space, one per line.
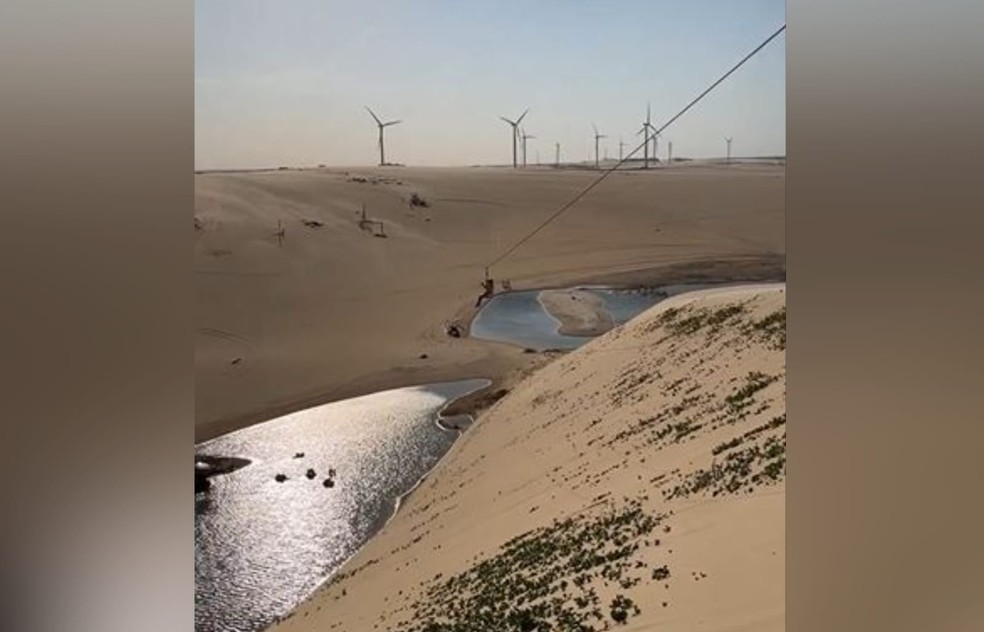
639, 478
329, 311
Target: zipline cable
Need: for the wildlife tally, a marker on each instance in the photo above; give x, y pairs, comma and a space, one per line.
609, 171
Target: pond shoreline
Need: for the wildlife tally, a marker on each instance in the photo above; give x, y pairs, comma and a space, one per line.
441, 415
289, 456
451, 359
578, 312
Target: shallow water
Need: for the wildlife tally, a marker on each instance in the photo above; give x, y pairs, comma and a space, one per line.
518, 317
624, 305
261, 546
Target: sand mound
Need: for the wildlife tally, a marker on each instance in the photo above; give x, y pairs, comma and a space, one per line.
580, 313
639, 479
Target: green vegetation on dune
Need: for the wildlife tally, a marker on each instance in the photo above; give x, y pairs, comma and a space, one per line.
772, 329
683, 321
678, 325
740, 470
545, 579
775, 422
754, 382
595, 571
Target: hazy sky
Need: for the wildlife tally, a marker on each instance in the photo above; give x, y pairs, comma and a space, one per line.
284, 83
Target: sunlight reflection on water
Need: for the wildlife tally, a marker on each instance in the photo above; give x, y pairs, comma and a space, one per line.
262, 546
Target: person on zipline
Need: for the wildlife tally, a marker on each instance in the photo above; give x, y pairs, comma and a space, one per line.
488, 286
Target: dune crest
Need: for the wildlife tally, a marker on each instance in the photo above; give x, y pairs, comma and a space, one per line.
637, 480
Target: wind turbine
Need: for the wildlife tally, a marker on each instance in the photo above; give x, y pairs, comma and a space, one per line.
646, 126
597, 136
515, 134
557, 155
382, 153
620, 146
669, 157
727, 160
523, 135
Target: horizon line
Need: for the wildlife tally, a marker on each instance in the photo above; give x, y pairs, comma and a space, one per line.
508, 165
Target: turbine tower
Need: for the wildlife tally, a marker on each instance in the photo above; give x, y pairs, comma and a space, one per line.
382, 152
621, 145
646, 126
523, 136
727, 160
669, 157
557, 155
515, 130
597, 136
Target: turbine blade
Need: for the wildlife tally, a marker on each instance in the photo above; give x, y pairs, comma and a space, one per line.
521, 117
513, 123
391, 123
378, 122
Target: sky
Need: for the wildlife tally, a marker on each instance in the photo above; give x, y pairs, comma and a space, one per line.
286, 83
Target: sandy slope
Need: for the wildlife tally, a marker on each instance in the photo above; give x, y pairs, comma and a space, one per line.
648, 465
332, 312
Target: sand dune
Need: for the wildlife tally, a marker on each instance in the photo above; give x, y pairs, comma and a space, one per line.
639, 478
332, 311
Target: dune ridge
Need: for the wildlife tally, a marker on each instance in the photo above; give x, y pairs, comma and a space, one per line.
639, 479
